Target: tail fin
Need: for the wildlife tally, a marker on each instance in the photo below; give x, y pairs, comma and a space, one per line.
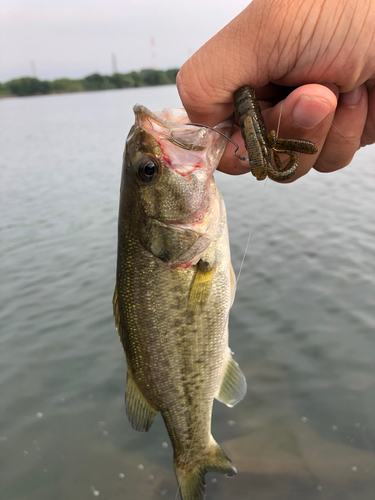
191, 478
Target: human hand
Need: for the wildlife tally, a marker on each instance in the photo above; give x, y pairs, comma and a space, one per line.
313, 62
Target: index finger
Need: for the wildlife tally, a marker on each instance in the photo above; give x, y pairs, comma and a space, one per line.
245, 51
207, 81
261, 45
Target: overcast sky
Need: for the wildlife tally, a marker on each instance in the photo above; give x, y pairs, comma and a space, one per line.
73, 38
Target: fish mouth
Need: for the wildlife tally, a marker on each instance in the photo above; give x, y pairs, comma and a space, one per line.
184, 147
167, 118
177, 121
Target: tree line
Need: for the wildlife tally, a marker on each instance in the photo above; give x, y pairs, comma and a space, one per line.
33, 86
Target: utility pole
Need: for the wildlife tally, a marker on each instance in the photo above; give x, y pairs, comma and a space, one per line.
114, 63
153, 53
33, 70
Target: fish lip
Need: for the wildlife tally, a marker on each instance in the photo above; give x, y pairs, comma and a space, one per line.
181, 116
139, 109
181, 119
201, 141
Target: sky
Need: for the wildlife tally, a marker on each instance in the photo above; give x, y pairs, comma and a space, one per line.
74, 38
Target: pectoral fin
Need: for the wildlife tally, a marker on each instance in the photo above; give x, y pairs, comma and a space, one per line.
140, 414
233, 386
201, 286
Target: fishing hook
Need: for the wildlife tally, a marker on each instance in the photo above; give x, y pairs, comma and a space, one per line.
243, 158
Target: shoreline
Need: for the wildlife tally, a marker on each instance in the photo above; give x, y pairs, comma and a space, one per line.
31, 86
7, 96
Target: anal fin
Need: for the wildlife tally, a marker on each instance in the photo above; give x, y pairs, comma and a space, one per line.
140, 414
233, 385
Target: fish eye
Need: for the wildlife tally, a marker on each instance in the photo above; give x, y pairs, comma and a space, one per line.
147, 169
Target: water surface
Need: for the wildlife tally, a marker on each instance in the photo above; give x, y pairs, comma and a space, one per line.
302, 326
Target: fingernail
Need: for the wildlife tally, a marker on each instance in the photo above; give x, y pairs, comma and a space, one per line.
310, 111
353, 97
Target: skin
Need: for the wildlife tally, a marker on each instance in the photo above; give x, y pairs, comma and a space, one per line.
313, 62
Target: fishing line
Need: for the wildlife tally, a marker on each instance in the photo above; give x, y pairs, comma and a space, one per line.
248, 239
251, 231
351, 141
258, 208
243, 158
259, 205
238, 277
278, 125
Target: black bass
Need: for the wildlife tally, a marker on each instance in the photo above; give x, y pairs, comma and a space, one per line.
175, 286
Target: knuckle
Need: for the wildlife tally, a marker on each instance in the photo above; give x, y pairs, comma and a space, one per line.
331, 163
367, 138
191, 88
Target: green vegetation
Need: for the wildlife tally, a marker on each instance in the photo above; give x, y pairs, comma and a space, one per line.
4, 89
33, 86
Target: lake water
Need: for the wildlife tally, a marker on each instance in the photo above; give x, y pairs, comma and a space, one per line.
302, 326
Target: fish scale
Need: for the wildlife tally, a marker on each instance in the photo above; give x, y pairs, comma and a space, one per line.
175, 286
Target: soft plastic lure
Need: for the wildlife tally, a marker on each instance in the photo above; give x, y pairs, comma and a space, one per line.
262, 145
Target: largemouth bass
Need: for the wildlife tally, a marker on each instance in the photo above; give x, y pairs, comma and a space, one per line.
175, 286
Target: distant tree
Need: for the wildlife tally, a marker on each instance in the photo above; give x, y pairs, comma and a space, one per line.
4, 89
66, 85
154, 77
34, 86
137, 78
28, 86
95, 78
97, 82
171, 74
122, 81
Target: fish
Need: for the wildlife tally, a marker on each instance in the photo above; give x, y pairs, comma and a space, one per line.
175, 285
261, 144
